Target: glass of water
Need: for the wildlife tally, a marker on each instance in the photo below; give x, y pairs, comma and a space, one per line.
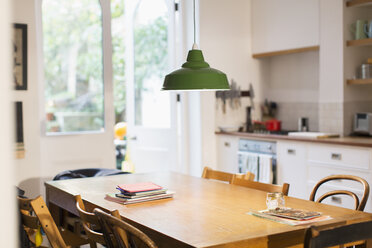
275, 200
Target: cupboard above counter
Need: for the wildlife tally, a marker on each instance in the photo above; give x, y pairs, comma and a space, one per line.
284, 27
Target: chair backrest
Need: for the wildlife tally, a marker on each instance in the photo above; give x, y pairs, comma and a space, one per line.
90, 222
35, 213
209, 173
92, 225
315, 238
112, 224
271, 188
359, 204
247, 176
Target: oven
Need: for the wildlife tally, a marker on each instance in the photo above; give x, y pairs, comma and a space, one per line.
258, 157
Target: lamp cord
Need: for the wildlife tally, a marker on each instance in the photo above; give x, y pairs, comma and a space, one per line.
194, 46
194, 25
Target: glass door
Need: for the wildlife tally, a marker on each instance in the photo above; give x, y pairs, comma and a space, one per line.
150, 56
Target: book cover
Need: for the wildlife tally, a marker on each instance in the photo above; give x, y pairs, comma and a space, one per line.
114, 198
138, 187
141, 194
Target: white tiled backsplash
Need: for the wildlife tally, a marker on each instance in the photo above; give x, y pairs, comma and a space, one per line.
331, 117
323, 117
289, 113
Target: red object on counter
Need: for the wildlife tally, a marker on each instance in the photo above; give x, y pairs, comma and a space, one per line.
273, 125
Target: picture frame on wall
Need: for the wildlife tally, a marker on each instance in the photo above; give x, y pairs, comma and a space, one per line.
19, 47
20, 148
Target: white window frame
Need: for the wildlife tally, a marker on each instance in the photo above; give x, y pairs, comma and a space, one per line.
108, 98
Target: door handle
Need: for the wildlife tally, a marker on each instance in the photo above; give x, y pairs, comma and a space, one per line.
291, 151
336, 199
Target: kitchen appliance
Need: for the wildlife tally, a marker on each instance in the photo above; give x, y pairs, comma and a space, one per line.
303, 124
258, 157
363, 123
273, 125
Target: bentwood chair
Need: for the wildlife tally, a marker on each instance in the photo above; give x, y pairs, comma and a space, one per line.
35, 215
92, 226
209, 173
271, 188
359, 203
341, 235
114, 225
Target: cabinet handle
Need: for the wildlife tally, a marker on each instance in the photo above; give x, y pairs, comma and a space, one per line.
336, 199
227, 144
291, 151
336, 156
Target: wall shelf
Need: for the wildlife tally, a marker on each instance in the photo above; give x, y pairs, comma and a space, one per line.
357, 3
284, 52
359, 81
363, 42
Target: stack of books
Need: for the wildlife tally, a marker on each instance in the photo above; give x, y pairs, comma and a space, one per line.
138, 192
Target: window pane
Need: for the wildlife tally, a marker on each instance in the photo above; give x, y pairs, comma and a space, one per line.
118, 58
151, 63
72, 36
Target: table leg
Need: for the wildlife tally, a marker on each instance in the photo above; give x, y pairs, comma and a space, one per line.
369, 243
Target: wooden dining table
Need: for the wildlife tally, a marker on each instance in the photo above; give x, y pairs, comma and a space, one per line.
202, 213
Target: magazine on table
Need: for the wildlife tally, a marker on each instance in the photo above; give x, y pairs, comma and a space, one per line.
290, 216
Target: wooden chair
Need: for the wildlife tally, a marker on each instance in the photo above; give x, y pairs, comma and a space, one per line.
35, 214
261, 186
247, 176
359, 205
209, 173
349, 234
112, 224
92, 226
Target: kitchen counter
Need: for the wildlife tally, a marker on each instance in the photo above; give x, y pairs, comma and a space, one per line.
347, 140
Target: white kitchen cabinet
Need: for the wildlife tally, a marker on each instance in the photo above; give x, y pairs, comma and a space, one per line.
291, 167
284, 25
326, 160
227, 153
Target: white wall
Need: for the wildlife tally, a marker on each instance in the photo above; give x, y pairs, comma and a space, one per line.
48, 155
331, 59
225, 42
293, 78
28, 168
8, 231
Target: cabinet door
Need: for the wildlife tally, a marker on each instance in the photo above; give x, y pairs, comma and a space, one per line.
227, 153
326, 160
285, 24
291, 159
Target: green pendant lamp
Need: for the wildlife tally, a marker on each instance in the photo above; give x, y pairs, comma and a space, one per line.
196, 74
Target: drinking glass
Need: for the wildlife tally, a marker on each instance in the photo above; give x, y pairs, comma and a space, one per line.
275, 200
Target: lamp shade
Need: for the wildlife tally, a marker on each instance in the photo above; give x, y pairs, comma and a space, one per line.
196, 74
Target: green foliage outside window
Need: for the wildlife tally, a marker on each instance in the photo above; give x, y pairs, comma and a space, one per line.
73, 62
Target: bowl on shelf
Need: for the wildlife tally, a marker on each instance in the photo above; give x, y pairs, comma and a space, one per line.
229, 128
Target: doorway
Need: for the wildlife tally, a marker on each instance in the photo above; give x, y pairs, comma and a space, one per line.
144, 48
